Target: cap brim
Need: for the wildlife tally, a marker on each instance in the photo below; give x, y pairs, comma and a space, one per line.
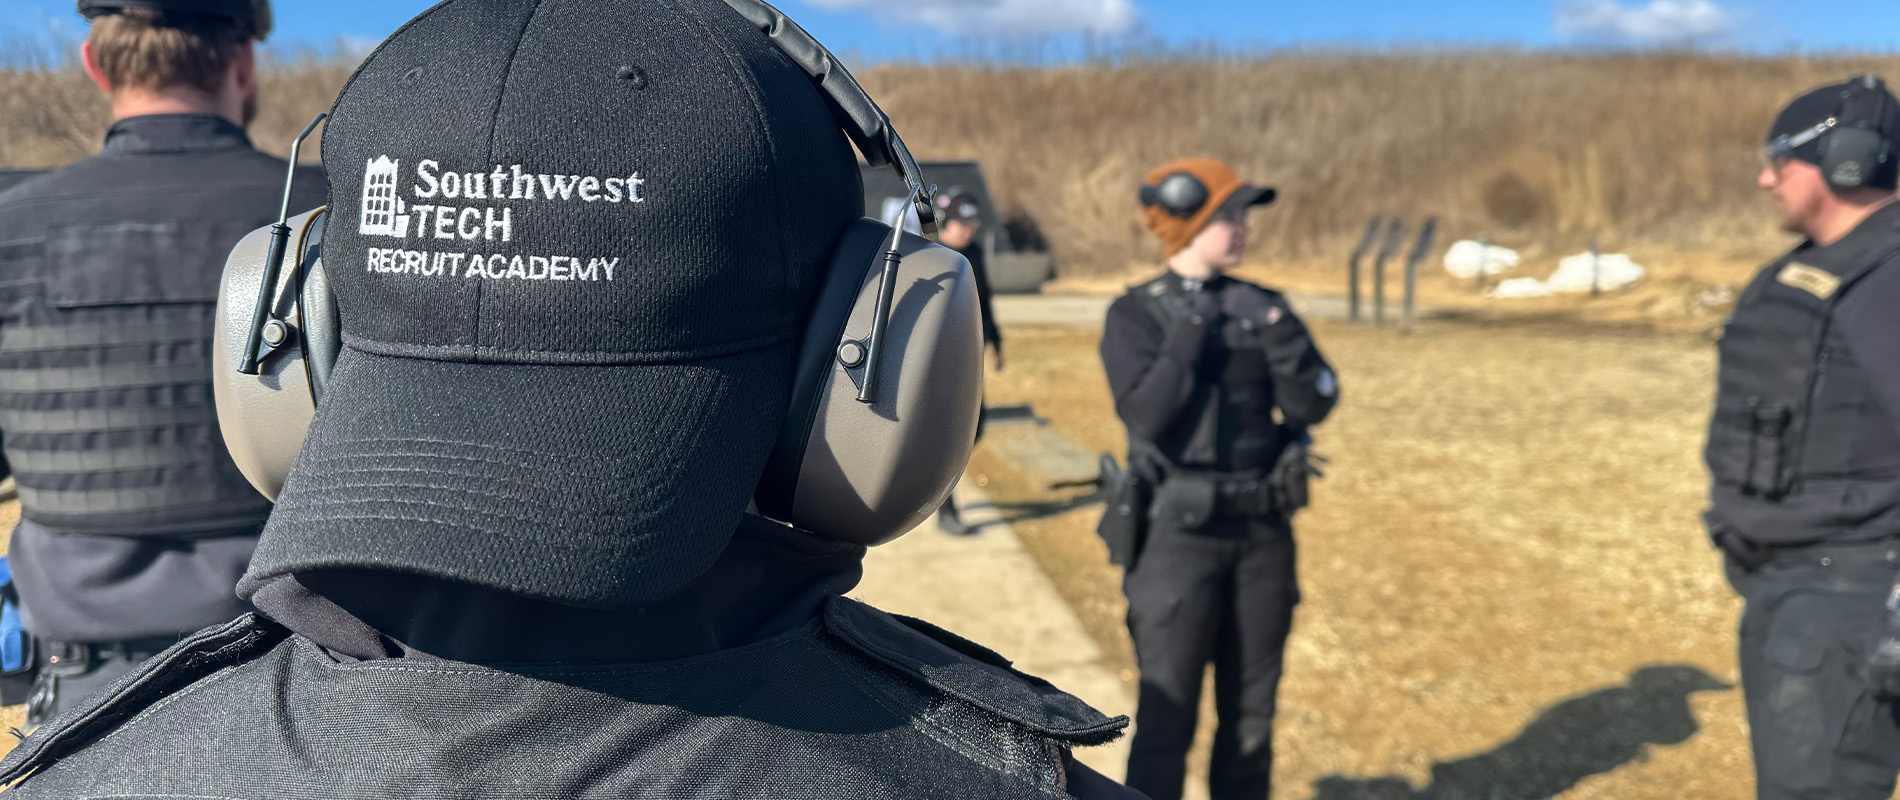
1249, 195
593, 486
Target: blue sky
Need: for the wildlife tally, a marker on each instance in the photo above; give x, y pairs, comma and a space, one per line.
885, 29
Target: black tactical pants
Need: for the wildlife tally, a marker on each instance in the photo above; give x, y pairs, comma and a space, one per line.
1225, 595
1818, 731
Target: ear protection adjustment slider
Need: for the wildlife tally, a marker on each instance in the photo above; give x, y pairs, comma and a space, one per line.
256, 346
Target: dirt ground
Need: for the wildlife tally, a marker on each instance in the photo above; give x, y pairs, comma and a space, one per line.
1508, 593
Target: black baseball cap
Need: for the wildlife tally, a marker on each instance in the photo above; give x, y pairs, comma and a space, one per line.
959, 205
254, 14
574, 244
1801, 127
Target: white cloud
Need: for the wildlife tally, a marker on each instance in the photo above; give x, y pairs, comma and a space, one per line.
1002, 17
1659, 22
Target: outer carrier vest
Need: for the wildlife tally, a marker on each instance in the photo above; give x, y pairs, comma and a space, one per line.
105, 390
1228, 422
859, 704
1792, 404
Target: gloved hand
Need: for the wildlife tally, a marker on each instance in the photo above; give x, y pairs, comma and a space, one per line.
1883, 664
1249, 303
1205, 304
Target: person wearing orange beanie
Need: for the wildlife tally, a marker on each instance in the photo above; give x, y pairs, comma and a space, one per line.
1217, 381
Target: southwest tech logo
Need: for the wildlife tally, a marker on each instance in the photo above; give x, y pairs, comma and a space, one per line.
482, 207
384, 214
474, 214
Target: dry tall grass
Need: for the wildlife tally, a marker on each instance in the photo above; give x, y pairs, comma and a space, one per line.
1544, 151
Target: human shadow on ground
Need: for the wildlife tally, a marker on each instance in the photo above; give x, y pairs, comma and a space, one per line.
1010, 513
1586, 735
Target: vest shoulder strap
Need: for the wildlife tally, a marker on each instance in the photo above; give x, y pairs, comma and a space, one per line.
967, 671
1888, 256
1162, 306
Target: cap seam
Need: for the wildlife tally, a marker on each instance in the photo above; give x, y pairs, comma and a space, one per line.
494, 112
497, 355
744, 80
360, 68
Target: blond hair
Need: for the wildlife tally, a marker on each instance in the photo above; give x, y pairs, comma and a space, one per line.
150, 50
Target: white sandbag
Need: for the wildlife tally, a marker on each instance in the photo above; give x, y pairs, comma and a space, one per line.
1467, 258
1521, 287
1614, 271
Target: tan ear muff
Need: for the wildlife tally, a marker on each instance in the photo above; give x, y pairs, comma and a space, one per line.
868, 472
264, 417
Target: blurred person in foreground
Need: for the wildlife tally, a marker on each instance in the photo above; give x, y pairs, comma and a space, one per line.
517, 556
1217, 381
135, 524
961, 216
1804, 452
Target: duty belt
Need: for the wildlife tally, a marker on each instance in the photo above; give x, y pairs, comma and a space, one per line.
77, 659
1246, 497
1753, 555
82, 657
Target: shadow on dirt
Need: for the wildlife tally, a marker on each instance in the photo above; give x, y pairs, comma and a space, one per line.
1011, 513
1586, 735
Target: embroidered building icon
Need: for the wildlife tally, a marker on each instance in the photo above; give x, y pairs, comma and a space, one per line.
383, 212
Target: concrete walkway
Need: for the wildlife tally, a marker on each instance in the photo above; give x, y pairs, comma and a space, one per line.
988, 588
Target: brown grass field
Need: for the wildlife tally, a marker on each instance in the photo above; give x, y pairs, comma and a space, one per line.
1652, 153
1508, 529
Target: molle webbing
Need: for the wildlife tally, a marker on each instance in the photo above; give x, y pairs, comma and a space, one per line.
111, 425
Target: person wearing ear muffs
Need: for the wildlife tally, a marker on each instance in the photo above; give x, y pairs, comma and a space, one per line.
599, 270
135, 524
1217, 381
961, 216
1803, 453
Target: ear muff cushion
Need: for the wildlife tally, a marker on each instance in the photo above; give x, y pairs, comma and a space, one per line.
852, 262
320, 325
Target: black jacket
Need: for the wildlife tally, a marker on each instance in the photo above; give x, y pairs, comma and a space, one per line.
1199, 372
759, 682
136, 522
980, 268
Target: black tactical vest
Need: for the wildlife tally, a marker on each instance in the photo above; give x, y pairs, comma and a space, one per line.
857, 704
1228, 424
105, 385
1793, 406
109, 273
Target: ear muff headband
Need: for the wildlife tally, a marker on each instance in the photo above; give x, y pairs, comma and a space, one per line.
860, 117
1856, 152
1180, 195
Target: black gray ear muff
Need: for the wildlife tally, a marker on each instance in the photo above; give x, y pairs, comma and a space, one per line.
1180, 194
264, 415
1856, 153
888, 383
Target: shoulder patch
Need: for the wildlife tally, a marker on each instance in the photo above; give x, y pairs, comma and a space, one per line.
1810, 279
187, 662
969, 672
